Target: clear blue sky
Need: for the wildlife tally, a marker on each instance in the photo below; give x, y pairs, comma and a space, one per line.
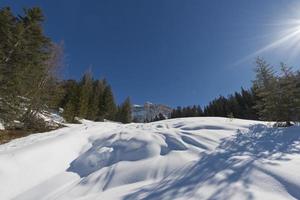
172, 52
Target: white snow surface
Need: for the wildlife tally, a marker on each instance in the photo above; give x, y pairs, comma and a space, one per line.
178, 159
1, 126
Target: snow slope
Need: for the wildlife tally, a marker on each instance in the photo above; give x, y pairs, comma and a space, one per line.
191, 158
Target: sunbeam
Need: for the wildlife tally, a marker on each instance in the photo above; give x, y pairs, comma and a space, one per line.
288, 40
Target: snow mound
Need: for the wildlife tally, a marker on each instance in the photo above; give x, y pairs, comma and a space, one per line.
191, 158
108, 151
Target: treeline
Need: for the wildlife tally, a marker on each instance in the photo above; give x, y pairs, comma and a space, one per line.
29, 63
274, 96
239, 105
189, 111
92, 99
29, 66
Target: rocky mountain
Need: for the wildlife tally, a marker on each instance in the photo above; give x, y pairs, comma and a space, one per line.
148, 111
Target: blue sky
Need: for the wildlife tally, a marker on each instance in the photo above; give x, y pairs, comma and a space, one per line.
169, 51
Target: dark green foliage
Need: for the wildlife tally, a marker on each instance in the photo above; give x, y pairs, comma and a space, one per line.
85, 95
277, 95
124, 112
97, 100
26, 66
108, 107
217, 107
239, 105
70, 102
92, 99
296, 95
176, 113
194, 111
264, 85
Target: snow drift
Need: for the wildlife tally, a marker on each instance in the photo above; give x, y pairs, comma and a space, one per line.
192, 158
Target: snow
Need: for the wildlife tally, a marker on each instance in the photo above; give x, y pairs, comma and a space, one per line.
1, 126
52, 119
190, 158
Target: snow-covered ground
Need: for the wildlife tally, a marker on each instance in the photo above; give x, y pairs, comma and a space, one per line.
192, 158
1, 126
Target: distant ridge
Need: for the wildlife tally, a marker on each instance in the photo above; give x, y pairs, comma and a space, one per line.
148, 111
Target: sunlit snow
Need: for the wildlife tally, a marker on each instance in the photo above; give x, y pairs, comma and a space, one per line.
192, 158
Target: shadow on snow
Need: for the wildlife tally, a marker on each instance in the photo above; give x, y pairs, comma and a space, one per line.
232, 162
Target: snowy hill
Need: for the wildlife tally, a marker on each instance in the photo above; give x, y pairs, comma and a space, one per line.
148, 111
192, 158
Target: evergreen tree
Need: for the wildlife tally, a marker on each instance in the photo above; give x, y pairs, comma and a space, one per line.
297, 96
96, 100
265, 86
101, 84
109, 107
85, 96
287, 93
248, 104
199, 111
70, 102
124, 112
178, 112
24, 67
53, 91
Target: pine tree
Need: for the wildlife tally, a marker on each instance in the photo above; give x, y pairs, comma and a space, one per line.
101, 85
85, 96
124, 112
70, 102
178, 112
24, 68
297, 96
109, 107
97, 96
265, 86
248, 99
199, 111
53, 92
287, 95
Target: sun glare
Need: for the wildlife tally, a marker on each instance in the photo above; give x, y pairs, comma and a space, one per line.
285, 39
